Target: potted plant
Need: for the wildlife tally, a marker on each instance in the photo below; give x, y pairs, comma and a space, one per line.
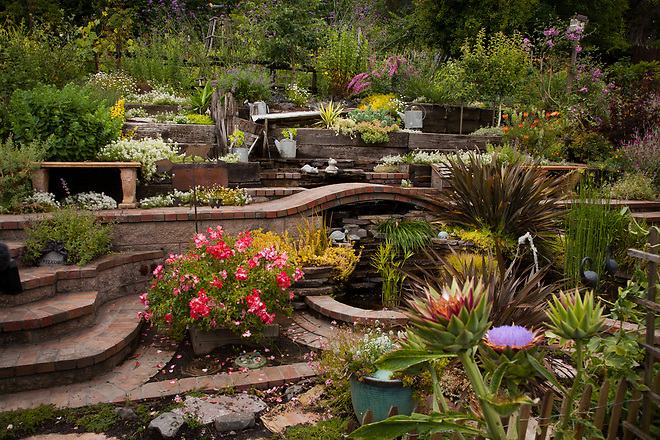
237, 139
222, 284
349, 360
287, 146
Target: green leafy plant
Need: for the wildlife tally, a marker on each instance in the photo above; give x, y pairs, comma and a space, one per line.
329, 114
21, 422
83, 235
509, 200
77, 124
289, 133
17, 161
237, 138
632, 186
345, 56
195, 118
252, 84
201, 99
96, 418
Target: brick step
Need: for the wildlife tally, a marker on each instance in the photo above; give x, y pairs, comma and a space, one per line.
330, 307
111, 275
76, 356
48, 318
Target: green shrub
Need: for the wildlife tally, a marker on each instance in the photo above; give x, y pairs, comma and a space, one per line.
96, 418
79, 125
589, 147
632, 186
81, 232
16, 165
251, 84
22, 422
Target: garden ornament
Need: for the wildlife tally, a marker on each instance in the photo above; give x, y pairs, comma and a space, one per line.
332, 167
588, 278
609, 265
309, 169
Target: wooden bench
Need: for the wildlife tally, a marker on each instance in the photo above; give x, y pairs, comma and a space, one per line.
128, 175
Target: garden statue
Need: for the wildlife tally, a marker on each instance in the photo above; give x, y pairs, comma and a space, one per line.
588, 278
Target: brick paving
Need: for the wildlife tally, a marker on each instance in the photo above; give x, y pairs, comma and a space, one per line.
129, 380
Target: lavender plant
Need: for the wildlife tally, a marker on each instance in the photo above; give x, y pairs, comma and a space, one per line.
642, 154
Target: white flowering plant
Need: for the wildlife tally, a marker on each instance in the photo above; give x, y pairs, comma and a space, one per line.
40, 201
91, 201
145, 151
161, 95
119, 81
205, 196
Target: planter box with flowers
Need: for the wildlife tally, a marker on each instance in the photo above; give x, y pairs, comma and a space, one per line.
221, 283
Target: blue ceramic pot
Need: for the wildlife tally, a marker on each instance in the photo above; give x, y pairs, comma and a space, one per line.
380, 395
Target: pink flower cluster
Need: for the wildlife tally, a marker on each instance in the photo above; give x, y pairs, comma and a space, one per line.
199, 306
258, 308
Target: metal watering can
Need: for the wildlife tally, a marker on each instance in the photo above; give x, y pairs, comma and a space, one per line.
286, 148
412, 117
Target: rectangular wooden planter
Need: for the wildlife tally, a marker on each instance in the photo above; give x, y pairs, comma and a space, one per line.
204, 342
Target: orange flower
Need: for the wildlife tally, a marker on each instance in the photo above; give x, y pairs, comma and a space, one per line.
533, 125
504, 116
536, 121
521, 125
526, 137
505, 129
547, 114
525, 114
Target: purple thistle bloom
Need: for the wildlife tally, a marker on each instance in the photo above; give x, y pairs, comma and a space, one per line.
512, 336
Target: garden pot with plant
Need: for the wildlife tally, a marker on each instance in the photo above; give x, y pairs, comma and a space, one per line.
222, 282
287, 146
237, 139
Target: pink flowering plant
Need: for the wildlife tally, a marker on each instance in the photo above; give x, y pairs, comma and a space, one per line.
221, 281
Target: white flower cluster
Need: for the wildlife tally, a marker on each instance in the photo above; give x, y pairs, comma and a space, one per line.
145, 151
91, 201
136, 112
434, 157
118, 81
161, 95
44, 199
157, 201
373, 345
230, 158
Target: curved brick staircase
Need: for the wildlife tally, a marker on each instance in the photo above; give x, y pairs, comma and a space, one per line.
71, 323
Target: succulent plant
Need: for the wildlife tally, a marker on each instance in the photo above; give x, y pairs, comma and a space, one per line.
511, 344
452, 320
574, 317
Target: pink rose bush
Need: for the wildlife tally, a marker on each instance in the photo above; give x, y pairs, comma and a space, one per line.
220, 281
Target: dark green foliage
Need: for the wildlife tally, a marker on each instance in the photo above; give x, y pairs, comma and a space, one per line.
508, 200
16, 165
245, 83
588, 146
95, 418
369, 115
83, 235
201, 99
330, 429
79, 125
25, 421
518, 296
591, 224
407, 236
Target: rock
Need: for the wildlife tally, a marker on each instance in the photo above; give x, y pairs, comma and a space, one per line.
234, 421
443, 235
211, 408
293, 391
167, 424
126, 413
